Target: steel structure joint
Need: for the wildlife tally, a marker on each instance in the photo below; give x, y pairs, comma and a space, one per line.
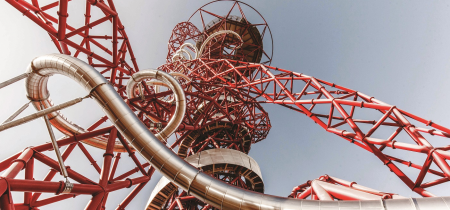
20, 160
431, 131
62, 15
93, 2
108, 154
431, 151
131, 182
393, 142
61, 188
67, 187
386, 196
8, 189
93, 89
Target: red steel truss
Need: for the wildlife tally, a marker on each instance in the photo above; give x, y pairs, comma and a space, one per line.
108, 181
335, 108
225, 87
115, 60
330, 188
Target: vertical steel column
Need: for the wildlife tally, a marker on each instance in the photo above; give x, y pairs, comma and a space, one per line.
106, 167
29, 169
62, 24
108, 158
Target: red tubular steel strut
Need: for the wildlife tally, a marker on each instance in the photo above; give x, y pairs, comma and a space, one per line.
304, 94
222, 93
120, 54
34, 188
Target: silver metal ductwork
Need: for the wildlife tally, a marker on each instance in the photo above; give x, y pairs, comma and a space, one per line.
177, 170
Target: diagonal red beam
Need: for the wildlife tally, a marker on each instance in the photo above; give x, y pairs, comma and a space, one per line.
23, 185
89, 25
53, 172
54, 164
35, 19
73, 139
132, 154
89, 157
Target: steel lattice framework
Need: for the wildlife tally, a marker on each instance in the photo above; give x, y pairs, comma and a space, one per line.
291, 90
224, 83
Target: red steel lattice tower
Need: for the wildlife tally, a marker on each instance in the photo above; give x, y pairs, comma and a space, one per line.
222, 62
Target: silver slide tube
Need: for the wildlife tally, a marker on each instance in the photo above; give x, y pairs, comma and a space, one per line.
180, 51
36, 87
200, 52
168, 80
156, 85
206, 188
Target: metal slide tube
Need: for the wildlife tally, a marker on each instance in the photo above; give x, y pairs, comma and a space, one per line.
167, 79
36, 87
156, 85
200, 51
187, 177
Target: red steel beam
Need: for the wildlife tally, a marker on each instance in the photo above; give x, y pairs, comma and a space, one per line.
23, 185
18, 164
107, 158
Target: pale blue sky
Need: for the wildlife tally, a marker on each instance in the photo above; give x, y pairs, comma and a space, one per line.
396, 51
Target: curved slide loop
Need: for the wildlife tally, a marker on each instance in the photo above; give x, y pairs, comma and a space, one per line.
200, 52
176, 75
179, 98
191, 46
156, 85
178, 55
36, 87
206, 188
